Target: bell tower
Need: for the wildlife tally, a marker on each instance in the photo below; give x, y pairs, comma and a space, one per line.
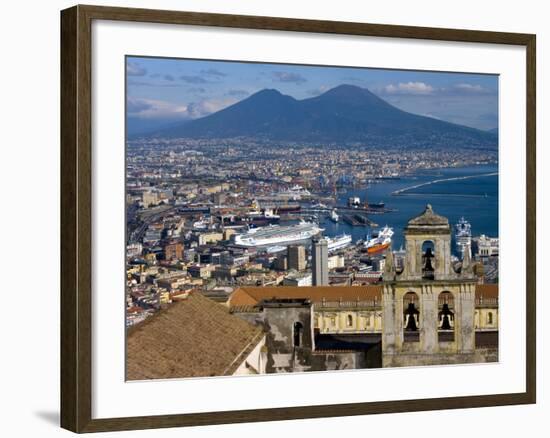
428, 307
428, 248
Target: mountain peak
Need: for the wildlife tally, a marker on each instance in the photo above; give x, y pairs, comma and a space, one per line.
344, 114
267, 92
354, 96
346, 89
267, 96
351, 91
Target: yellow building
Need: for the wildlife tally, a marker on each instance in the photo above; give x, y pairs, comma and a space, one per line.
228, 233
331, 317
206, 238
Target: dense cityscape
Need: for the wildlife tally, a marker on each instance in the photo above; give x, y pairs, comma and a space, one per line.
292, 218
208, 216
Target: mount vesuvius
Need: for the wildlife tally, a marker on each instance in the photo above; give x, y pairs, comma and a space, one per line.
344, 114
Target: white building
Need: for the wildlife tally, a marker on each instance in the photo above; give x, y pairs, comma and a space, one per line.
297, 279
336, 261
485, 246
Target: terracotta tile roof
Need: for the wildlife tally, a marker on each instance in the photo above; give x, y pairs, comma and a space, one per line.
134, 309
486, 291
250, 296
192, 338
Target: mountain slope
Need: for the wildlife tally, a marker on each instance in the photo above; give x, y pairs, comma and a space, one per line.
344, 114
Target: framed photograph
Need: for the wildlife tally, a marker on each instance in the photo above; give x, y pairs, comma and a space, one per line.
268, 218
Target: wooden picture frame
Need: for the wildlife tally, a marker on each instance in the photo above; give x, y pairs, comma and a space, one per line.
76, 217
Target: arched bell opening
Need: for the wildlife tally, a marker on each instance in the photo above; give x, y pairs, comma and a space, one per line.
428, 260
446, 317
411, 317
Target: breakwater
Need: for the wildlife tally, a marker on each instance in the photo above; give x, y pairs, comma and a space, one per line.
407, 190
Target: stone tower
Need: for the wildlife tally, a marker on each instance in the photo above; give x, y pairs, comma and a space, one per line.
428, 306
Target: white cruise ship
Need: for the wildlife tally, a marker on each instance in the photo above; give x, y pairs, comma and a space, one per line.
338, 242
278, 235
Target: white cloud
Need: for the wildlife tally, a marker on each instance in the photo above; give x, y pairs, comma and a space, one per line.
409, 88
155, 109
133, 69
285, 76
469, 88
160, 109
209, 106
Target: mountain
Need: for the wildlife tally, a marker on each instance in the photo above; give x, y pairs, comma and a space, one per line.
344, 114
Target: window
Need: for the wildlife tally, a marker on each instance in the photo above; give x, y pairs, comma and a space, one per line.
410, 312
428, 260
446, 316
350, 321
490, 318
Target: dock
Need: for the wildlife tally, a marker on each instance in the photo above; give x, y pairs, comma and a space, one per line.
358, 220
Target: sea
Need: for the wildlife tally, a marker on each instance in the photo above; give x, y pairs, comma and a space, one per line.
470, 192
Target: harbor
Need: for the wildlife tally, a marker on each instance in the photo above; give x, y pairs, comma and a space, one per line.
470, 191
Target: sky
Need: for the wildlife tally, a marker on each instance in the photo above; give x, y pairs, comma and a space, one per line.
162, 91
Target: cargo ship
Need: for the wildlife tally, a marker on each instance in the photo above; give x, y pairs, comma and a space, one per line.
278, 235
287, 208
338, 242
376, 205
379, 241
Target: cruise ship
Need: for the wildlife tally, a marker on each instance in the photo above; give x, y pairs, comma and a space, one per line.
379, 241
463, 237
338, 242
278, 235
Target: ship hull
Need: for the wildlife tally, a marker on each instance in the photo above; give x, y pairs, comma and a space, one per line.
275, 242
377, 249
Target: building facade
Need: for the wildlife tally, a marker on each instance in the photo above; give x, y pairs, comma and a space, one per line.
319, 262
297, 257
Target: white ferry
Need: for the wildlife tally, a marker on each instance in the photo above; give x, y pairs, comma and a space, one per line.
338, 242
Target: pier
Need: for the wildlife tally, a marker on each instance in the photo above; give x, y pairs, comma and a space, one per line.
358, 220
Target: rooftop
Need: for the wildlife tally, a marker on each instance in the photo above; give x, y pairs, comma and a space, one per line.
247, 297
251, 296
428, 218
192, 338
